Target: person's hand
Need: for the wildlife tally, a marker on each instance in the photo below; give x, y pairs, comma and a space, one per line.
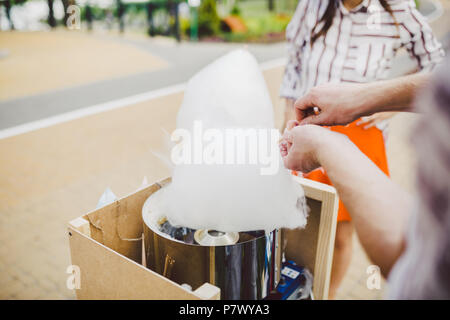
375, 119
332, 104
300, 146
285, 145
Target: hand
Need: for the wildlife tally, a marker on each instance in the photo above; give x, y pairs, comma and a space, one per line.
285, 145
375, 119
301, 146
332, 104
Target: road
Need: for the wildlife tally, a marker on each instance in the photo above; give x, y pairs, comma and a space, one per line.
178, 63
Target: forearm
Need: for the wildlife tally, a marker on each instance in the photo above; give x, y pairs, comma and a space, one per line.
340, 104
393, 95
378, 207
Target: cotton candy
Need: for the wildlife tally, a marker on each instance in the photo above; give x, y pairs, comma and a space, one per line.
230, 95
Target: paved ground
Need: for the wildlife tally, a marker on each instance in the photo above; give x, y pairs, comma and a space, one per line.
42, 62
50, 176
90, 69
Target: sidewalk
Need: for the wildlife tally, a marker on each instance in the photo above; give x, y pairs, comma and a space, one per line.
38, 62
95, 68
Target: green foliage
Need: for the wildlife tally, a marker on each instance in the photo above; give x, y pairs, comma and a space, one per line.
97, 13
256, 8
262, 25
267, 28
19, 2
268, 23
235, 11
185, 27
208, 19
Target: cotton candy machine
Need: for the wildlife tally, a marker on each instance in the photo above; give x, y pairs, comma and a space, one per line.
244, 265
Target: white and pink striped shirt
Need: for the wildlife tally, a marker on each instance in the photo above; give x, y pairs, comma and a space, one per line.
359, 46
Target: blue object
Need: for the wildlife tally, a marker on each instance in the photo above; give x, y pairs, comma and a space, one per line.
291, 281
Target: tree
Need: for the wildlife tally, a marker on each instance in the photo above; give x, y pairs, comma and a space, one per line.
120, 14
8, 5
89, 16
51, 14
208, 19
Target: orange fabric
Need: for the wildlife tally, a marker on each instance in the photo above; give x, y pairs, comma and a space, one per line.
370, 142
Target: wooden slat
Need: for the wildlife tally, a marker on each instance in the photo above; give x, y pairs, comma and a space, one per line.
106, 274
208, 292
313, 246
82, 225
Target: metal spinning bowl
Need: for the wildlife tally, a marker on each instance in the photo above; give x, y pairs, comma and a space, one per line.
244, 265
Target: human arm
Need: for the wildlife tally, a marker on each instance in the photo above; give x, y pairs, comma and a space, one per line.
378, 207
342, 103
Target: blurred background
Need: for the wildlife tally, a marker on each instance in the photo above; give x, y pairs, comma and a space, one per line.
87, 88
219, 20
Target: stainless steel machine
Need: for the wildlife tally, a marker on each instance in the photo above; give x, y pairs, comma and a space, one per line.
244, 265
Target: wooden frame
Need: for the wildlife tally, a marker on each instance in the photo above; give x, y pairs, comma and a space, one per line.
106, 245
106, 274
313, 246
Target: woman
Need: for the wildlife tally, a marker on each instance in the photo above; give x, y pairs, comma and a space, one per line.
332, 41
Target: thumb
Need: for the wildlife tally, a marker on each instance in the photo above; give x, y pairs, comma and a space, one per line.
302, 105
318, 119
291, 124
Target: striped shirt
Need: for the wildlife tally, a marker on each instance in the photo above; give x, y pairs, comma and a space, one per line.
359, 46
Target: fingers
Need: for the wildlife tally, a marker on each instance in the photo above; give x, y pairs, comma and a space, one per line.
303, 106
291, 124
307, 111
318, 119
285, 143
367, 122
287, 147
283, 148
364, 120
300, 114
304, 102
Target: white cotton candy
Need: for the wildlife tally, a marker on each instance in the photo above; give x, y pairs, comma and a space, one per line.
229, 94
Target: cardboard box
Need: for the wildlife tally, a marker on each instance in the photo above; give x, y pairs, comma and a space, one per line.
106, 245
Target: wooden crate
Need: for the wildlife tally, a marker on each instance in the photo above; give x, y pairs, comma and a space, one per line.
106, 246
